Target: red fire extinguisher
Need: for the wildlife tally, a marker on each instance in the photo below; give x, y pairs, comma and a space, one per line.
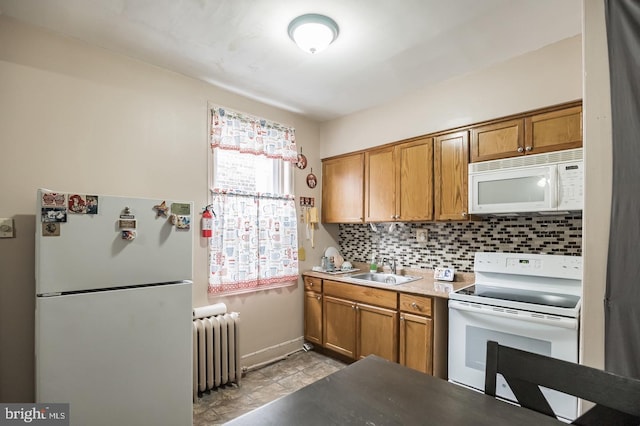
207, 223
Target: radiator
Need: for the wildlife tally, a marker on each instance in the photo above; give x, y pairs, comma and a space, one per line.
216, 355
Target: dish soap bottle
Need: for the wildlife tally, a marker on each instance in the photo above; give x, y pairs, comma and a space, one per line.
372, 266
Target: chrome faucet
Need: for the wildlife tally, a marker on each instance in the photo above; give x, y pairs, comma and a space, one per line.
391, 262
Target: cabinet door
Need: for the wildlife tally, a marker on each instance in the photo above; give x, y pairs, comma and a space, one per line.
497, 140
451, 160
377, 332
415, 180
340, 326
313, 317
343, 189
380, 185
553, 131
416, 342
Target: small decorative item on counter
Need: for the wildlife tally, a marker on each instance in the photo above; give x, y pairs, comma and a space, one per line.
444, 274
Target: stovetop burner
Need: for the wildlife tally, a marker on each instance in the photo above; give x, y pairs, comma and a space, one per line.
544, 284
520, 295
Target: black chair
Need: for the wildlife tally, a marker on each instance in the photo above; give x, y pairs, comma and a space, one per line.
617, 398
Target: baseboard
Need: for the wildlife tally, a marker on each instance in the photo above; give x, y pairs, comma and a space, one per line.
271, 354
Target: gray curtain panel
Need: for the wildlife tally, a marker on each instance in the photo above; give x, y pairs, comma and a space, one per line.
622, 299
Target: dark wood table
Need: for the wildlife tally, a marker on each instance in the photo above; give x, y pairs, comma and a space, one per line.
374, 391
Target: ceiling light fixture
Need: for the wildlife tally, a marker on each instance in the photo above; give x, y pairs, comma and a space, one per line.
312, 32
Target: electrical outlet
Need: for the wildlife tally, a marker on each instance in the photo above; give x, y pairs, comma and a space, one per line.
6, 228
422, 235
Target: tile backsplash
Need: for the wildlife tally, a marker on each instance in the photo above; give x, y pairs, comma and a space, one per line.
453, 244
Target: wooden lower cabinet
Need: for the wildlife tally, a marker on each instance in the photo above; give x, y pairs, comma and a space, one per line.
340, 326
313, 310
360, 321
416, 332
313, 317
376, 332
356, 321
415, 342
357, 330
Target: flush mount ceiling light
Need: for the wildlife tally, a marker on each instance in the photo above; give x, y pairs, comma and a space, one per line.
312, 32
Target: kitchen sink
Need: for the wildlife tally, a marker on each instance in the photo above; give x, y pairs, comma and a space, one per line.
392, 279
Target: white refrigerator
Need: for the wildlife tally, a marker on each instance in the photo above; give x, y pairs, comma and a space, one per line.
113, 308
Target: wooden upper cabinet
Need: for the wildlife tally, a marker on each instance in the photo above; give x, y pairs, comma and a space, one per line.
399, 182
553, 131
497, 140
414, 199
451, 160
342, 189
380, 185
550, 130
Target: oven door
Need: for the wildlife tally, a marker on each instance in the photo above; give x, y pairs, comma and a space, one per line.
471, 325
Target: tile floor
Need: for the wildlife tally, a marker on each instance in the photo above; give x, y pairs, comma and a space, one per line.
261, 386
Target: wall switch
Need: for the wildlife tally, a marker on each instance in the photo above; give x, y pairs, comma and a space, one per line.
6, 228
422, 235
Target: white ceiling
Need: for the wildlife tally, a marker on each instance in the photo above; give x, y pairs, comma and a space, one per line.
386, 48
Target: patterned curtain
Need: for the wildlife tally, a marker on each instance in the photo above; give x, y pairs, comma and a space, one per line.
240, 132
255, 238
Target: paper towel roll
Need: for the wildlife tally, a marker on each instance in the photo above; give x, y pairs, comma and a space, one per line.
209, 310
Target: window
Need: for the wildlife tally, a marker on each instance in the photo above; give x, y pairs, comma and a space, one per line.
255, 239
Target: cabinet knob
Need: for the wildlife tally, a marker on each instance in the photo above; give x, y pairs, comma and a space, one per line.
520, 149
464, 214
529, 148
401, 318
414, 305
310, 284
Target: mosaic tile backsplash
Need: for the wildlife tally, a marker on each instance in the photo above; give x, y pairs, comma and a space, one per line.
453, 244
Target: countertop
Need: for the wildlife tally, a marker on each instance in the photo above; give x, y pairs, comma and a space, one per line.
426, 286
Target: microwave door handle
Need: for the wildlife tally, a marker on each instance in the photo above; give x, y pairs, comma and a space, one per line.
554, 184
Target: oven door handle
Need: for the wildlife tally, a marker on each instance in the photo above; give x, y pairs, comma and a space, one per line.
569, 323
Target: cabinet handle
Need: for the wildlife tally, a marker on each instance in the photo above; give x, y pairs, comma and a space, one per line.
529, 148
520, 149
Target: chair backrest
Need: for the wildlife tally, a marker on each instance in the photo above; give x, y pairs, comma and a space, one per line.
615, 396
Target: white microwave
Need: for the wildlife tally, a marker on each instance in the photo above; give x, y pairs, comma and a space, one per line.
550, 183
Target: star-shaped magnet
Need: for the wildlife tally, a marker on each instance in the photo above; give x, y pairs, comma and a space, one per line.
161, 209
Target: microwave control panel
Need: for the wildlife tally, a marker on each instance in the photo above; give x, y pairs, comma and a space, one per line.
570, 185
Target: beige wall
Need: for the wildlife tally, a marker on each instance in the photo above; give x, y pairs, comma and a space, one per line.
597, 135
79, 118
547, 76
